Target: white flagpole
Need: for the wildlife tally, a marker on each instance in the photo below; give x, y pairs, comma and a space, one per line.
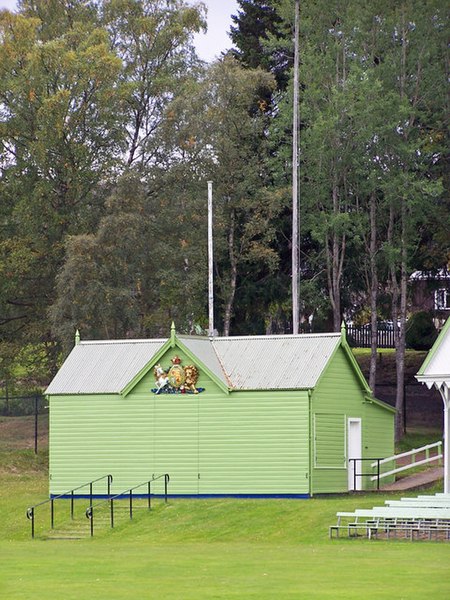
295, 184
210, 262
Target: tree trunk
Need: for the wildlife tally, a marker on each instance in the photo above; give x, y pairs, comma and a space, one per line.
335, 250
401, 341
373, 292
398, 293
399, 316
233, 276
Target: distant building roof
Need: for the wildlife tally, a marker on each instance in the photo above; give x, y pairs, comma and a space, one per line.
439, 275
241, 363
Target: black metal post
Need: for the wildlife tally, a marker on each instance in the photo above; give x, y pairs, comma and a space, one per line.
109, 484
30, 515
36, 406
166, 481
378, 474
71, 505
131, 504
52, 513
112, 513
149, 497
90, 493
354, 473
92, 520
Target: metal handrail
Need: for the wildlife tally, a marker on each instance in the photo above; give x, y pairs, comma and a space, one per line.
377, 463
127, 492
30, 510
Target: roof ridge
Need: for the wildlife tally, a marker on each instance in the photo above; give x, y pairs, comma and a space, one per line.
124, 341
230, 384
284, 336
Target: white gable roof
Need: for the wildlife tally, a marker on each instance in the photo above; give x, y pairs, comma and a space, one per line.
275, 362
436, 368
103, 367
241, 363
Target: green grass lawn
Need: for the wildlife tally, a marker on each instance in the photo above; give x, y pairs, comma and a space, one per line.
211, 549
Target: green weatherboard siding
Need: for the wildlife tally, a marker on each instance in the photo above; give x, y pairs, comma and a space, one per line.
220, 441
338, 397
209, 443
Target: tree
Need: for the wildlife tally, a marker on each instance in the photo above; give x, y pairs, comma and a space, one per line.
367, 150
58, 103
244, 211
154, 41
256, 23
83, 90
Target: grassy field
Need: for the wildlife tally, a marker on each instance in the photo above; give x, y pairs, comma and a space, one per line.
206, 549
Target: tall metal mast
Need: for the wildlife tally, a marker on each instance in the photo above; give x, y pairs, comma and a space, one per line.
210, 263
295, 182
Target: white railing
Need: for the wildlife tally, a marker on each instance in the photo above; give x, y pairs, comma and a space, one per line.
414, 463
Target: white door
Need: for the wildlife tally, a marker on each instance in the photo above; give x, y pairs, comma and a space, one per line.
354, 450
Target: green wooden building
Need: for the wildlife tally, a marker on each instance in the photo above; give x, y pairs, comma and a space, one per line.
263, 416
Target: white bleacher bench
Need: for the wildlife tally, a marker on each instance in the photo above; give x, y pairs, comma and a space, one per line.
423, 520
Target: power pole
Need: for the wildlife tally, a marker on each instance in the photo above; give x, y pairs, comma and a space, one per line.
210, 262
295, 181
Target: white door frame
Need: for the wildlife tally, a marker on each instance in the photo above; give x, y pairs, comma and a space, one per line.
354, 450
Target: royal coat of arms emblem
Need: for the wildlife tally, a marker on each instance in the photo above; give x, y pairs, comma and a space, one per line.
176, 379
176, 373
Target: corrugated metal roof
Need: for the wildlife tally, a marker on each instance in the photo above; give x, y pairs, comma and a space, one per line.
275, 362
204, 350
103, 366
256, 363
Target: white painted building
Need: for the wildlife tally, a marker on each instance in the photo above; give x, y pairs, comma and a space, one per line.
435, 371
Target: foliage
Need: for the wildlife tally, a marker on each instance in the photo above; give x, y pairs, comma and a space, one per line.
222, 118
83, 90
421, 333
256, 23
110, 127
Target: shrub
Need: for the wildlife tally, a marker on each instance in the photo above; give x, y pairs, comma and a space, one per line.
420, 332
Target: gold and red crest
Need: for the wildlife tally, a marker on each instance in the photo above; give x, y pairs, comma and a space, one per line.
176, 379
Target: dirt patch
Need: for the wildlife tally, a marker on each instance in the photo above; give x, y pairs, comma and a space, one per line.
19, 432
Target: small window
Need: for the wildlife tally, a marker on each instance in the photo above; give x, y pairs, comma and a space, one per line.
442, 299
329, 441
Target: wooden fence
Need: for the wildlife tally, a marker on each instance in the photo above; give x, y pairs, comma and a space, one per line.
361, 337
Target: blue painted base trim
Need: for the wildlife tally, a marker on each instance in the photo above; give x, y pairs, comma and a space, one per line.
189, 496
243, 496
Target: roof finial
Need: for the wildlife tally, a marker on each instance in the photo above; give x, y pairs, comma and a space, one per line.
343, 332
172, 334
77, 337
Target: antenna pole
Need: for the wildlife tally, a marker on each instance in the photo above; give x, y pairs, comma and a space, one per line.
295, 184
210, 263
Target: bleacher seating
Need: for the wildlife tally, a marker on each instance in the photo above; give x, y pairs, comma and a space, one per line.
423, 517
